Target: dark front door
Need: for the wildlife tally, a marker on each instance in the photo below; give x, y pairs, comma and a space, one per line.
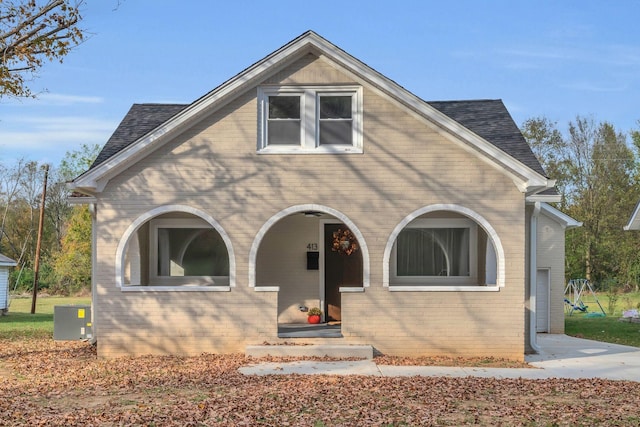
340, 269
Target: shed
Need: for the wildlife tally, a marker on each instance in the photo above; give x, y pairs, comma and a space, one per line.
5, 264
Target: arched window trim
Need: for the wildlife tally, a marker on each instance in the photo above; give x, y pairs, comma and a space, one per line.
253, 254
147, 216
481, 221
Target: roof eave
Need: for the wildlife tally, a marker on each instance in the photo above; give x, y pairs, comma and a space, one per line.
524, 177
544, 198
97, 178
527, 180
562, 218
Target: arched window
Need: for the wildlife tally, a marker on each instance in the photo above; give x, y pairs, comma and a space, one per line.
444, 247
175, 246
186, 251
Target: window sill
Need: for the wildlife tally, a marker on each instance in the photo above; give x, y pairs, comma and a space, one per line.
178, 288
350, 289
267, 288
333, 149
442, 288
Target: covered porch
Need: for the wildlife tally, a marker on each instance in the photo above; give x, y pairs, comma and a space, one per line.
311, 254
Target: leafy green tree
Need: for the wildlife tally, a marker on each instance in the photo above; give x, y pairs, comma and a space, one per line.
73, 263
604, 189
597, 176
73, 164
31, 33
549, 146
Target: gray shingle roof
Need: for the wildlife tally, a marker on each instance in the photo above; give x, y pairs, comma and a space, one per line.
490, 119
139, 121
487, 118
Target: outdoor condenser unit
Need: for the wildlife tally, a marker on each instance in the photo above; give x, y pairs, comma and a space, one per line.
72, 322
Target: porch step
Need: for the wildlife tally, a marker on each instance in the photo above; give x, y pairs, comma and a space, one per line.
318, 350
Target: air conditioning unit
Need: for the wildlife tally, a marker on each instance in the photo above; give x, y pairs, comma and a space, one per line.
72, 322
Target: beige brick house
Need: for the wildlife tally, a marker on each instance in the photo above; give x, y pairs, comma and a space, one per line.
311, 180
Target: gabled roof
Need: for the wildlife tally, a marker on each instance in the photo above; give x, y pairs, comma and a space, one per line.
487, 118
560, 217
483, 127
490, 120
139, 121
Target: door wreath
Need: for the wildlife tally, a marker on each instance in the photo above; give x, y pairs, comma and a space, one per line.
344, 242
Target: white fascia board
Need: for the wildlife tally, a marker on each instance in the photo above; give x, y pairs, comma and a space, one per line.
558, 216
544, 198
81, 200
97, 178
634, 221
527, 179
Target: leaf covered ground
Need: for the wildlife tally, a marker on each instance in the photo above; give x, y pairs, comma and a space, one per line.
49, 383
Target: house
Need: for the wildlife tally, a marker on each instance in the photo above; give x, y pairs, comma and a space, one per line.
5, 264
311, 180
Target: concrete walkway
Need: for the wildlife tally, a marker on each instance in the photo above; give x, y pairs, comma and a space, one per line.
561, 357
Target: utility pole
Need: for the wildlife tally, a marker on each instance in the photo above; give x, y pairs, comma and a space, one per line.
36, 266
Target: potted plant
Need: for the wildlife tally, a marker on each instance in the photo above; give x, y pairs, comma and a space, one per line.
314, 315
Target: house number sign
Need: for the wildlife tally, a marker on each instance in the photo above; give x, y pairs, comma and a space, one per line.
312, 247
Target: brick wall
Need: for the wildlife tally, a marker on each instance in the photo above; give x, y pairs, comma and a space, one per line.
214, 167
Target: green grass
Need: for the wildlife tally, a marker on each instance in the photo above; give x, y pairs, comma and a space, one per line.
615, 307
609, 328
20, 323
605, 329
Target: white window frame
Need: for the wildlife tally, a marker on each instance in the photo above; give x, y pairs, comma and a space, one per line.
310, 117
472, 279
154, 279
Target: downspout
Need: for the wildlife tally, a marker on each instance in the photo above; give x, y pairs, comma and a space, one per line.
533, 270
93, 212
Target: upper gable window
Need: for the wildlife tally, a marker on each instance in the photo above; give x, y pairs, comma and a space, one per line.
310, 119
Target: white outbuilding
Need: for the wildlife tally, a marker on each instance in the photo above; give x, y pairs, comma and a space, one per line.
5, 264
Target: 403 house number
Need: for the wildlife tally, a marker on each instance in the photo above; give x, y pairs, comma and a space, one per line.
312, 247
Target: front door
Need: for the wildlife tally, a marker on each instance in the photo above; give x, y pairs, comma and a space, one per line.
340, 270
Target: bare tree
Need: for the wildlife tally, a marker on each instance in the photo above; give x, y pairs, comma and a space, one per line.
32, 32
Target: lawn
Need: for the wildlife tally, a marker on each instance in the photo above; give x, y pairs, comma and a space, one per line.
20, 323
608, 328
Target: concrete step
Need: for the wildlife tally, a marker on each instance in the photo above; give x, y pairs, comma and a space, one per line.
319, 350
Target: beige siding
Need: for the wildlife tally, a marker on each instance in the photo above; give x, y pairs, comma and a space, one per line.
550, 255
214, 167
282, 262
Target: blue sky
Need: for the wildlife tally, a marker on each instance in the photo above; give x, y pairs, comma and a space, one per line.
554, 58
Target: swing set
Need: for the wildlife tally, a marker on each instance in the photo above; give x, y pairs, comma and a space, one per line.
574, 293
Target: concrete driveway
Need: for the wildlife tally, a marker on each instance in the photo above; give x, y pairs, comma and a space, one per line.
568, 357
561, 357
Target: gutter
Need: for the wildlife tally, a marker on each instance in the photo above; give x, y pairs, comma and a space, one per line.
93, 210
533, 270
